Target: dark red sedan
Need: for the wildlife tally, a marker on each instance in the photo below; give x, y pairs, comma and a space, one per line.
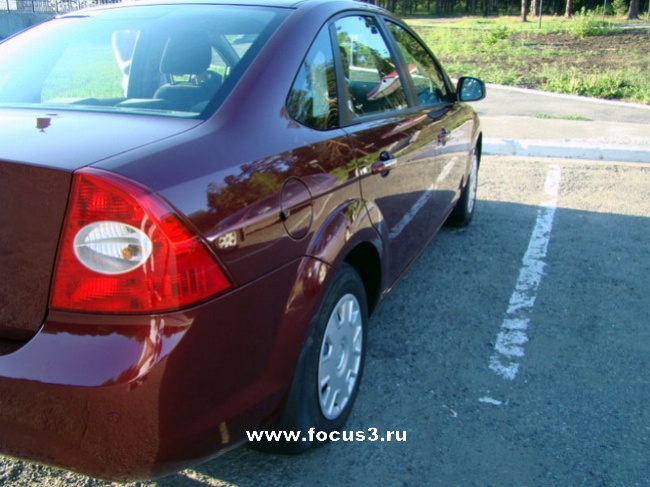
201, 203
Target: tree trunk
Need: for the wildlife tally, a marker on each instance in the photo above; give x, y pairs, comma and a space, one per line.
535, 8
525, 7
569, 9
633, 13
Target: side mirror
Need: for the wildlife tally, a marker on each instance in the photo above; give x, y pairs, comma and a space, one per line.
470, 89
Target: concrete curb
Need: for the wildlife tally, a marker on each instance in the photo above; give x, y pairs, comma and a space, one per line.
565, 150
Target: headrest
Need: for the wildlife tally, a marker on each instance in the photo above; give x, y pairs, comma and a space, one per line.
187, 52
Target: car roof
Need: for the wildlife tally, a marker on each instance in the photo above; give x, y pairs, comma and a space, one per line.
330, 6
262, 3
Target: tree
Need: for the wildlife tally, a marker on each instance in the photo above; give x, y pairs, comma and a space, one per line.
633, 13
525, 7
569, 9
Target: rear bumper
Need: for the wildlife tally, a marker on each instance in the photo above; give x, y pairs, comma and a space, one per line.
108, 432
125, 398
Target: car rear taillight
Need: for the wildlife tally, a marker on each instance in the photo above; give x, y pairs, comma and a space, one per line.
125, 250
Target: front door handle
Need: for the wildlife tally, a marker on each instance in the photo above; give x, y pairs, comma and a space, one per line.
443, 137
385, 163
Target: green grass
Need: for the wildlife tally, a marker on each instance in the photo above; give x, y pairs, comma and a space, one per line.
613, 85
585, 55
576, 118
549, 24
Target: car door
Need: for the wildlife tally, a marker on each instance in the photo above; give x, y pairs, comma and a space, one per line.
448, 122
391, 140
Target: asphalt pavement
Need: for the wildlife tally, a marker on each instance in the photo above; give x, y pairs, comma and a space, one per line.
525, 122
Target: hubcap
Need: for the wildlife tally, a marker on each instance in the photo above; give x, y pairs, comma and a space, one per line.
340, 356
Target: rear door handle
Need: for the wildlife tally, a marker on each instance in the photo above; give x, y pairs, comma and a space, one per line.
385, 163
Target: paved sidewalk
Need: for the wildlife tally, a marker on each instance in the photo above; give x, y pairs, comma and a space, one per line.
534, 123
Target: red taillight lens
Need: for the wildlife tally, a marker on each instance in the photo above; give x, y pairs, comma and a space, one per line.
125, 250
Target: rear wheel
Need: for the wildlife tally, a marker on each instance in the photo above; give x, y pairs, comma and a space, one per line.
330, 367
462, 214
339, 361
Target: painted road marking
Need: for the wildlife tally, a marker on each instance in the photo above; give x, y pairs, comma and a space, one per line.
204, 479
512, 336
490, 400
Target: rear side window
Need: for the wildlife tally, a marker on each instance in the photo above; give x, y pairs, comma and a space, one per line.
371, 76
427, 76
312, 100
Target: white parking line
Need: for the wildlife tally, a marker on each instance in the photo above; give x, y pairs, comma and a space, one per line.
201, 478
512, 337
490, 400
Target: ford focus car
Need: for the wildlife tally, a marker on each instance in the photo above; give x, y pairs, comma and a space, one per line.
201, 204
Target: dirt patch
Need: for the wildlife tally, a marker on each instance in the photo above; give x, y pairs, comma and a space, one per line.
611, 66
619, 50
624, 52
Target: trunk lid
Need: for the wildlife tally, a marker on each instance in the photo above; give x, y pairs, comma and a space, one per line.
32, 205
69, 140
38, 152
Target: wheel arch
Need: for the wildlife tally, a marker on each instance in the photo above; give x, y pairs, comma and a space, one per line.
348, 235
365, 259
478, 147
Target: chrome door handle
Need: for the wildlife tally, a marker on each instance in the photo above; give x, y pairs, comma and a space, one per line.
385, 163
444, 137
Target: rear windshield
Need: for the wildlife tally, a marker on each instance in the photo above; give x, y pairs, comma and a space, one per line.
173, 60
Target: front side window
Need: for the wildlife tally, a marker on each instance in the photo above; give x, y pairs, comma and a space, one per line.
371, 75
313, 100
427, 77
159, 60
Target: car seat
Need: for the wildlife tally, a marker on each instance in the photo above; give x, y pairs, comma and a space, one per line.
187, 54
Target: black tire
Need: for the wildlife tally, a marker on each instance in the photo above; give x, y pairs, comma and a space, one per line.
462, 214
308, 406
